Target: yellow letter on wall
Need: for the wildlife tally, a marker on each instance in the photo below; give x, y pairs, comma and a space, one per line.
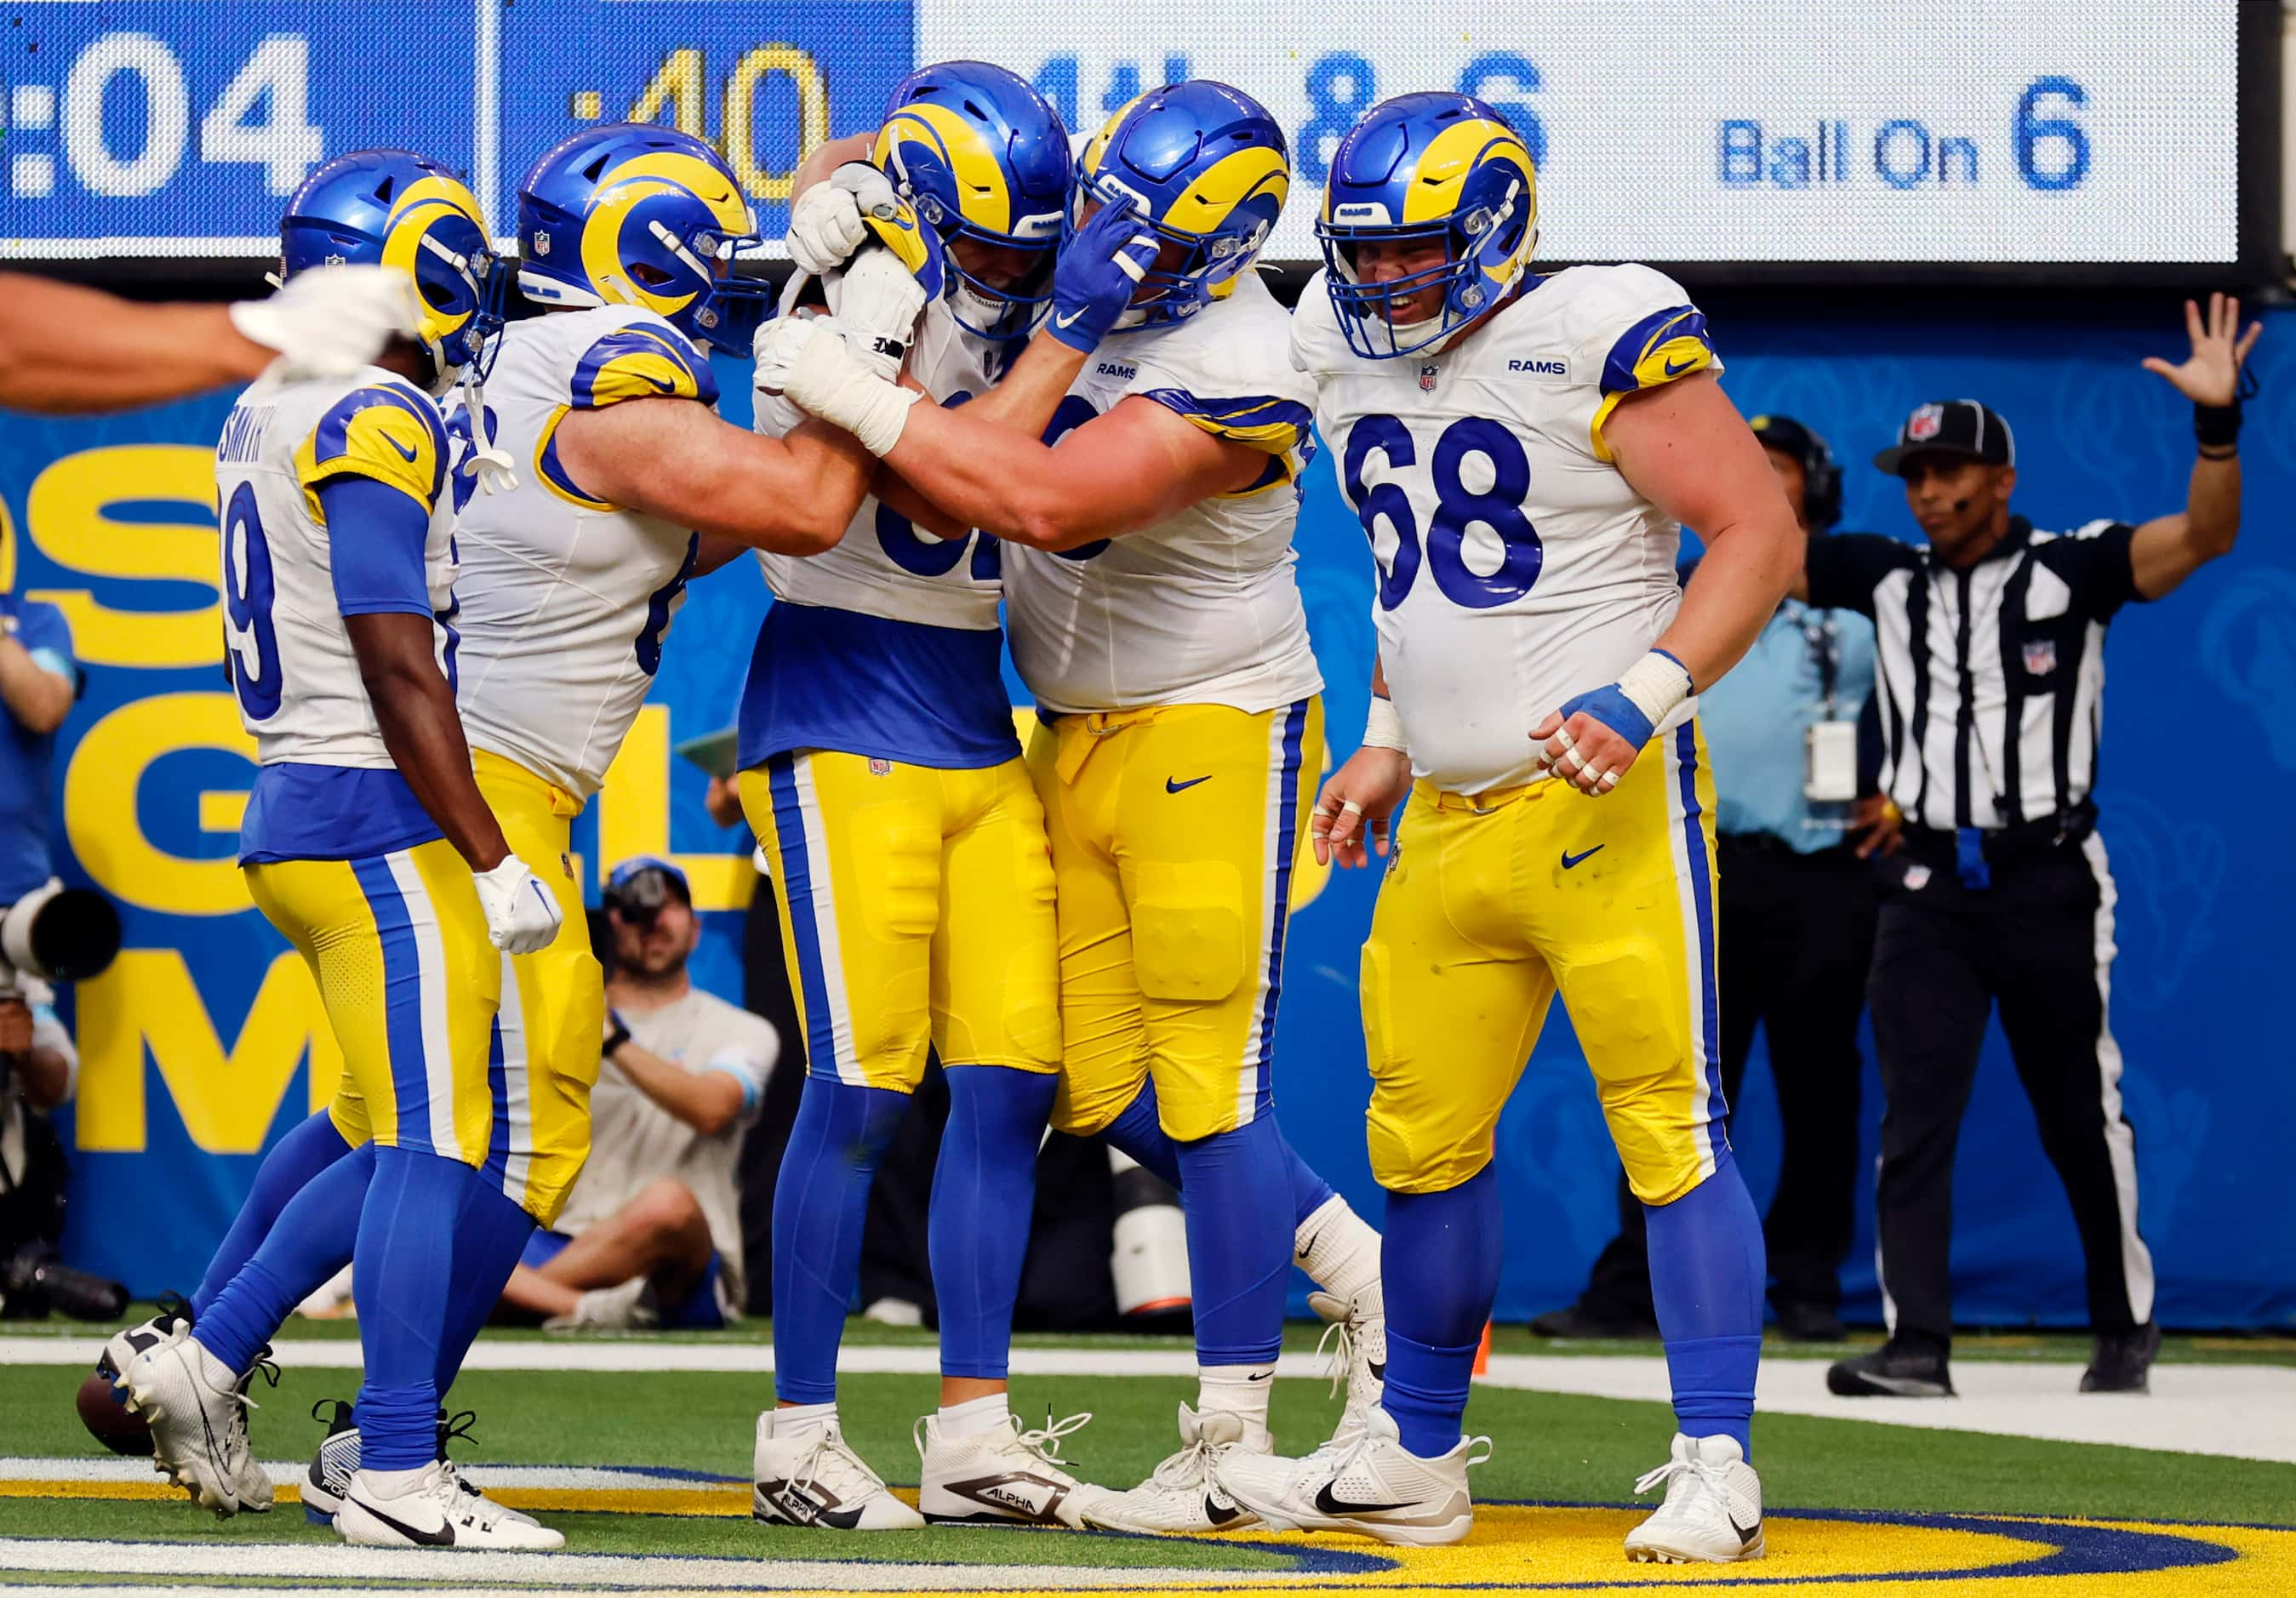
634, 818
100, 794
227, 1099
65, 515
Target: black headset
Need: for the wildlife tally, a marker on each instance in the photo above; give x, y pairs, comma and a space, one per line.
1821, 474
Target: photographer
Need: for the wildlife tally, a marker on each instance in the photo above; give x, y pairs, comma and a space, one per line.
651, 1233
38, 682
38, 1070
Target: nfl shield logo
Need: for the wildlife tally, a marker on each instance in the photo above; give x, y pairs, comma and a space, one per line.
2041, 657
1917, 876
1924, 422
542, 243
1427, 379
879, 768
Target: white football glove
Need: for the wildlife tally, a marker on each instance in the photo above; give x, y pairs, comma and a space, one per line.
877, 301
825, 226
330, 321
776, 415
521, 915
821, 376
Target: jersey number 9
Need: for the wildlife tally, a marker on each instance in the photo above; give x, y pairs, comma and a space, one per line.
1457, 507
250, 643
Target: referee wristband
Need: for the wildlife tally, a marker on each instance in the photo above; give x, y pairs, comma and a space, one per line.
2216, 425
1384, 728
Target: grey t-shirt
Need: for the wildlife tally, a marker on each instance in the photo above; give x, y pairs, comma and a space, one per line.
634, 1140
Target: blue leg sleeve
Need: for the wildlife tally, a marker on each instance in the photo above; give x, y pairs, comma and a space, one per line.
1440, 1260
401, 1279
488, 1239
1236, 1195
984, 1190
1707, 1269
1139, 1133
307, 1243
293, 1161
819, 1202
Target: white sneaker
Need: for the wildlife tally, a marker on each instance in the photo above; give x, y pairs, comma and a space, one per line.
1002, 1475
337, 1461
1356, 1337
1713, 1508
434, 1512
197, 1410
625, 1307
814, 1480
1370, 1484
1183, 1494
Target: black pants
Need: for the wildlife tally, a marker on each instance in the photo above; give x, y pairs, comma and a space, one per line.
2038, 943
1796, 932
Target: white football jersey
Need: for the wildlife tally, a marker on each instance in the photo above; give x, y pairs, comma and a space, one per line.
564, 597
1517, 567
1203, 608
885, 565
287, 646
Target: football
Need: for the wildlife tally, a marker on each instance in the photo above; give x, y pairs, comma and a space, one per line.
107, 1420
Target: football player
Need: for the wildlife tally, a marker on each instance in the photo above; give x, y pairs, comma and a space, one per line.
1523, 452
1154, 615
67, 350
369, 845
570, 578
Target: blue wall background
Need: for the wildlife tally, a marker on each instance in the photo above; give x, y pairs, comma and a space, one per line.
2199, 760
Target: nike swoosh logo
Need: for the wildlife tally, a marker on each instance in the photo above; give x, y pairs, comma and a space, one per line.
1378, 1368
1330, 1505
405, 454
1675, 368
444, 1537
1219, 1513
1070, 320
1570, 860
1174, 785
1746, 1534
1256, 1375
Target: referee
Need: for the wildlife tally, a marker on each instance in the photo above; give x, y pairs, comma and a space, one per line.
1991, 668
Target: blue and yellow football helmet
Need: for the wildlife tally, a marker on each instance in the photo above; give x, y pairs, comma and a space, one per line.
980, 155
1427, 167
631, 214
392, 208
1209, 170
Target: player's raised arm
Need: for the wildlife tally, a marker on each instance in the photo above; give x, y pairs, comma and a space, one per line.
68, 350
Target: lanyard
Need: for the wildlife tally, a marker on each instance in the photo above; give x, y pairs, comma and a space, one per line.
1824, 640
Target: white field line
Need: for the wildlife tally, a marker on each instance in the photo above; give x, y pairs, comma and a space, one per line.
664, 1571
2244, 1411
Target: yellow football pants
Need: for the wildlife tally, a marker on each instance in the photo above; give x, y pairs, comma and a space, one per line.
916, 905
1175, 833
549, 1013
1493, 903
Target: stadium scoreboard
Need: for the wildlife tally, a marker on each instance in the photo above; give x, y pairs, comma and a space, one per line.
2051, 139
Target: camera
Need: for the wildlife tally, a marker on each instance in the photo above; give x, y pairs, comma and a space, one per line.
57, 934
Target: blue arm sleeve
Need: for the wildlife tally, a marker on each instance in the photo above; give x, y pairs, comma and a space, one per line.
46, 637
376, 535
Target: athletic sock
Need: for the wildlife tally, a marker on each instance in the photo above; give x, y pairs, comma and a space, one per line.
1338, 1249
974, 1415
297, 1158
308, 1240
799, 1419
1138, 1133
820, 1200
1440, 1266
1235, 1198
1241, 1391
489, 1236
401, 1279
1707, 1269
984, 1189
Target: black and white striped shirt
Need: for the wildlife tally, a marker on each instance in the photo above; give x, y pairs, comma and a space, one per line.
1991, 679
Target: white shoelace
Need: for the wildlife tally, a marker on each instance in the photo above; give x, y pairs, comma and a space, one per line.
1044, 1441
1341, 1358
1707, 1476
829, 1449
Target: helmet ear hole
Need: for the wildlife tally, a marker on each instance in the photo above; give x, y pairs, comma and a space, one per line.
652, 276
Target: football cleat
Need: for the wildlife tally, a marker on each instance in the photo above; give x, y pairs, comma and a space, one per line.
1895, 1370
1184, 1494
337, 1461
1356, 1336
1713, 1509
172, 1325
814, 1480
197, 1410
626, 1307
1001, 1476
1369, 1484
434, 1512
2122, 1362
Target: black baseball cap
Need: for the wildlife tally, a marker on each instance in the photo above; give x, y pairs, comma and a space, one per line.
1960, 427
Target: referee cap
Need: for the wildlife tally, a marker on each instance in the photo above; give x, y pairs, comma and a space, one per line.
1960, 427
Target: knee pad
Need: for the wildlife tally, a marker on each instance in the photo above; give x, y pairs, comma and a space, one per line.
1408, 1158
1188, 938
895, 849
